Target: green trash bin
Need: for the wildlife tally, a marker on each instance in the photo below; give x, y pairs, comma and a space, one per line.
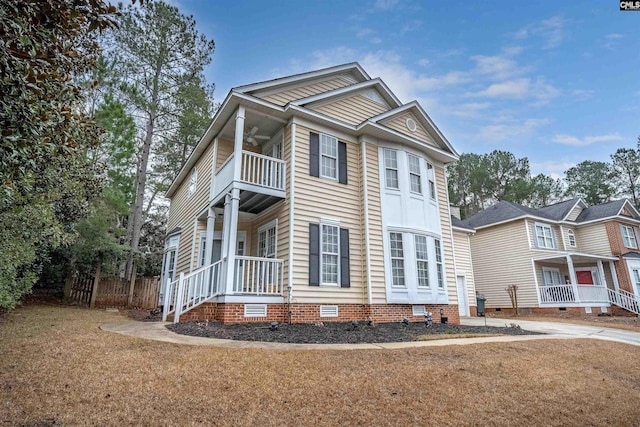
480, 299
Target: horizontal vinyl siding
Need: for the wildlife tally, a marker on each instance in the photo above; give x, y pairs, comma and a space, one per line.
321, 197
464, 266
285, 96
447, 238
501, 257
593, 239
574, 213
399, 123
353, 110
225, 148
376, 245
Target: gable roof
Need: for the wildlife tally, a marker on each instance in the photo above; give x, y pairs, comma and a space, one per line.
376, 83
560, 210
601, 211
503, 211
458, 223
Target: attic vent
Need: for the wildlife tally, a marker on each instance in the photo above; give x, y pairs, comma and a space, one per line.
587, 310
411, 124
418, 310
373, 95
255, 310
349, 79
603, 309
328, 311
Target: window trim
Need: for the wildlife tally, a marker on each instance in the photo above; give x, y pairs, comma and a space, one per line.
264, 228
192, 184
536, 236
384, 162
418, 260
202, 254
431, 178
402, 259
321, 155
623, 229
571, 237
335, 224
552, 270
437, 244
411, 173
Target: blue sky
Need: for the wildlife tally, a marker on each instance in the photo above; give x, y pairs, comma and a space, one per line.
555, 81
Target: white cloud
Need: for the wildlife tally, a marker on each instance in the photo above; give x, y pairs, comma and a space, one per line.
614, 36
364, 32
510, 131
385, 4
497, 67
582, 94
376, 40
553, 168
470, 109
610, 40
550, 30
525, 88
424, 62
588, 140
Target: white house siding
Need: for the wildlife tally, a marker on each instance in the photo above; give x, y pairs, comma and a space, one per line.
352, 110
282, 97
316, 198
501, 257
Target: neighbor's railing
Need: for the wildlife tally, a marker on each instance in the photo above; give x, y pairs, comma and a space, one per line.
258, 276
262, 170
592, 293
191, 290
625, 299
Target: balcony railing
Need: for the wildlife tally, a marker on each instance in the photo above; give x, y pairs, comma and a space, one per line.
258, 276
256, 169
560, 294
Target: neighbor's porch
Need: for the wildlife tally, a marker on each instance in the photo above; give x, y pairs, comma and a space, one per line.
575, 280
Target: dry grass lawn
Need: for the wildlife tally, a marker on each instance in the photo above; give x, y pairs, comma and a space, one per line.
618, 322
57, 367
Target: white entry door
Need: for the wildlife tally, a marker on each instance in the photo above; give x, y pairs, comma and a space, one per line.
463, 299
634, 271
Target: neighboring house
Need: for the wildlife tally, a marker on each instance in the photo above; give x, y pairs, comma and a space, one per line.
465, 282
566, 256
314, 197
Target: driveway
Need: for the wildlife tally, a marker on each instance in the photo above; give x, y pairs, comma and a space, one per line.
562, 329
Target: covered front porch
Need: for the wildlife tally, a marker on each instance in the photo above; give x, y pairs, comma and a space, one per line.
575, 280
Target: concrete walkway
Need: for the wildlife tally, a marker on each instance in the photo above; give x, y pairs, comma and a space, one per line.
566, 330
158, 332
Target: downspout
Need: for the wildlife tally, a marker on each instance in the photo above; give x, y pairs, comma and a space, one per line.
292, 185
453, 246
365, 190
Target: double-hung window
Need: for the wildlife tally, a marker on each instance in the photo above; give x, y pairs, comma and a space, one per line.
432, 181
571, 235
397, 259
422, 261
414, 173
439, 264
328, 156
330, 253
391, 168
544, 236
193, 179
628, 236
267, 240
203, 249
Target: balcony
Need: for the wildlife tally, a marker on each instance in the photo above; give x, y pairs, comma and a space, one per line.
262, 181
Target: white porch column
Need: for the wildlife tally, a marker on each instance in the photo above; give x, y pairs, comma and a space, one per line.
214, 162
208, 250
572, 276
603, 279
232, 204
614, 276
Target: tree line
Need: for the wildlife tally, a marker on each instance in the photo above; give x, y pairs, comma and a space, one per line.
476, 181
100, 108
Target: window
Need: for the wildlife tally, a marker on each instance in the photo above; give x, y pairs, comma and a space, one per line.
203, 249
267, 240
439, 264
330, 253
397, 259
551, 276
628, 236
422, 261
192, 182
328, 156
544, 236
432, 181
414, 173
391, 168
572, 238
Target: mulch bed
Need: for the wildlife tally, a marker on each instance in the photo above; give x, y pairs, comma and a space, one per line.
154, 315
333, 333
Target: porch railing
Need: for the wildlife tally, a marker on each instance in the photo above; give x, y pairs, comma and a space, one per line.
258, 276
262, 170
557, 294
592, 293
625, 299
191, 290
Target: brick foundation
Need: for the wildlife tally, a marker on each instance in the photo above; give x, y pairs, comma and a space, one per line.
572, 311
233, 313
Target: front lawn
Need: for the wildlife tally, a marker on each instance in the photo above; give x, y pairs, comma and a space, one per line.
58, 368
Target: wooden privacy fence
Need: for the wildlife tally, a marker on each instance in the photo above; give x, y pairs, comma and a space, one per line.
114, 291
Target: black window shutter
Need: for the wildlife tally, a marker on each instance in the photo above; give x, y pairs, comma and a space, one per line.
314, 154
345, 279
314, 254
342, 162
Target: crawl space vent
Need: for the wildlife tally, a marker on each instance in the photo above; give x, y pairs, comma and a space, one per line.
418, 310
255, 310
328, 311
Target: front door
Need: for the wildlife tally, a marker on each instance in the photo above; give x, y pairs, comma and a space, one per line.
585, 277
634, 270
463, 299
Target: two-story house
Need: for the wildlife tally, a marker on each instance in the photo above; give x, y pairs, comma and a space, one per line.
566, 256
314, 197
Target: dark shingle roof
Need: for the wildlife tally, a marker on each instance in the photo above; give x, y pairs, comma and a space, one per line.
601, 211
455, 222
502, 211
559, 210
